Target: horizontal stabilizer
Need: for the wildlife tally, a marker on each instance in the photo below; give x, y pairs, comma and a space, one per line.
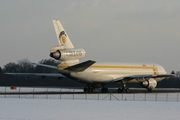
42, 65
81, 66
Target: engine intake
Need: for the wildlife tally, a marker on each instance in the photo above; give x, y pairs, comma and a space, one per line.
68, 54
56, 55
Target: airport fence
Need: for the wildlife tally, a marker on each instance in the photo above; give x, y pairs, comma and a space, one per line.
56, 93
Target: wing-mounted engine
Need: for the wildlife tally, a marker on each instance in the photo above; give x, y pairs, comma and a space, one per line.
149, 84
66, 55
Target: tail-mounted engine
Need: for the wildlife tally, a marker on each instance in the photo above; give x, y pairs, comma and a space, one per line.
68, 54
149, 84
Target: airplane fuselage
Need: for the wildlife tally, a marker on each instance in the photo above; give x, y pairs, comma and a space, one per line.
107, 72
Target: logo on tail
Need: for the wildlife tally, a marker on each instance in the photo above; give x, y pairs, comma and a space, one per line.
62, 37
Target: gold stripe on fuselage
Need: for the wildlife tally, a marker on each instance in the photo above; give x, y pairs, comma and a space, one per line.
108, 67
62, 67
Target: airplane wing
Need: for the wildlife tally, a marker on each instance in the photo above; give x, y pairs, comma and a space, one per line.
37, 74
140, 77
151, 76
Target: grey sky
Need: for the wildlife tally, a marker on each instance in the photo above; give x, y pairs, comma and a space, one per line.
109, 30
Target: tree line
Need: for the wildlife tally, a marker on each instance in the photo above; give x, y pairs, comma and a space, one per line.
23, 67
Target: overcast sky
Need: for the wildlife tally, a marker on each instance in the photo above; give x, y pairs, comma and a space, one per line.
109, 30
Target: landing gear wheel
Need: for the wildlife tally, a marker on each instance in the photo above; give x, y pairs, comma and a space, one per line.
92, 90
122, 90
149, 90
89, 89
86, 90
104, 90
127, 90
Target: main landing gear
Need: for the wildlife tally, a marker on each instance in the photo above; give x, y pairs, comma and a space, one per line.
104, 89
89, 89
124, 88
149, 90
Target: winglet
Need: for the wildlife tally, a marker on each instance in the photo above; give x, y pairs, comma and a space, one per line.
81, 66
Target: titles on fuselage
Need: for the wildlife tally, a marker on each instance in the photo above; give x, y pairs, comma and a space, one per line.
74, 53
68, 54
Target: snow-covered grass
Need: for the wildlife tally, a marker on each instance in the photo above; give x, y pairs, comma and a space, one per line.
135, 106
56, 109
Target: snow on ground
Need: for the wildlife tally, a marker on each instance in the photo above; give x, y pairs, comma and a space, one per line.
56, 109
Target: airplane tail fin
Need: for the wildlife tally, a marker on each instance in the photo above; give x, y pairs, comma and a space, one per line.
65, 51
62, 36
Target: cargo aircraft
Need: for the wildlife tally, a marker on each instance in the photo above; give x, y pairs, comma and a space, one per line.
94, 73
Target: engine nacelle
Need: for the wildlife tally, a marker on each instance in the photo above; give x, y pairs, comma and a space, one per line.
68, 54
150, 84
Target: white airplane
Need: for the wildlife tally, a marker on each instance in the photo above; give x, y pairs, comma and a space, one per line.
92, 73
